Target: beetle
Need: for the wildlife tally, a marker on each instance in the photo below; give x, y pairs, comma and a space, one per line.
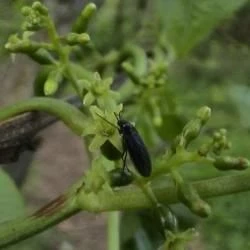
133, 145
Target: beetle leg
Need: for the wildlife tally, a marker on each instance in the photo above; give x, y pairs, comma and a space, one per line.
124, 159
124, 155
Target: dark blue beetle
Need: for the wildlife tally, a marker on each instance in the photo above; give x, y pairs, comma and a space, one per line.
134, 145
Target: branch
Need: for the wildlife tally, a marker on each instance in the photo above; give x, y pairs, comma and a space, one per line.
126, 198
19, 229
132, 197
70, 115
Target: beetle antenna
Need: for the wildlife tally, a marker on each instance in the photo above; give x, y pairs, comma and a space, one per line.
118, 116
110, 123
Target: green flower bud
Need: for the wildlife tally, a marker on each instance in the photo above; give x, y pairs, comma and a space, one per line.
26, 11
223, 131
189, 196
16, 44
204, 114
157, 120
220, 141
217, 148
191, 130
201, 208
82, 21
13, 43
204, 149
77, 39
52, 83
229, 163
40, 8
216, 136
33, 23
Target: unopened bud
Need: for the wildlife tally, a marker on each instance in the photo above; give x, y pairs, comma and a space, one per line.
82, 21
204, 149
204, 114
189, 196
40, 8
191, 130
74, 38
52, 83
229, 163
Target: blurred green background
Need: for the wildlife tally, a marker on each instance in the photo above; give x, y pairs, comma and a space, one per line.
211, 68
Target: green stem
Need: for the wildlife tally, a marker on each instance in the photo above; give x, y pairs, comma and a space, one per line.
69, 75
114, 230
132, 197
14, 231
168, 163
70, 115
63, 53
55, 40
125, 198
147, 190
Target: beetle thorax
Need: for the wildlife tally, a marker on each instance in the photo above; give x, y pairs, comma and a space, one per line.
125, 126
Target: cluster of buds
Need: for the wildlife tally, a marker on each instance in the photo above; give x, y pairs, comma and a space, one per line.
218, 144
192, 129
35, 17
215, 146
57, 49
155, 77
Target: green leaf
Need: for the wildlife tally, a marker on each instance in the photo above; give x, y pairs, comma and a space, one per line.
187, 22
240, 97
11, 202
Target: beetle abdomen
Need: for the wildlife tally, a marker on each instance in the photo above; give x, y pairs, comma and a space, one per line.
137, 151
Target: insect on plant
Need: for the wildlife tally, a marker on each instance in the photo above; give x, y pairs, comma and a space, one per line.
133, 145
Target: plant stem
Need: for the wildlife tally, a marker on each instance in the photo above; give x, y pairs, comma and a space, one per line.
63, 53
16, 230
132, 197
114, 230
70, 115
126, 198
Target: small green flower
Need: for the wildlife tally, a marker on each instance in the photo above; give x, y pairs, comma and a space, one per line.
97, 178
103, 127
99, 91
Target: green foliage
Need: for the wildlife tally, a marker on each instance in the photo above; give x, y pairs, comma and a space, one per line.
239, 96
11, 205
186, 23
7, 9
151, 95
